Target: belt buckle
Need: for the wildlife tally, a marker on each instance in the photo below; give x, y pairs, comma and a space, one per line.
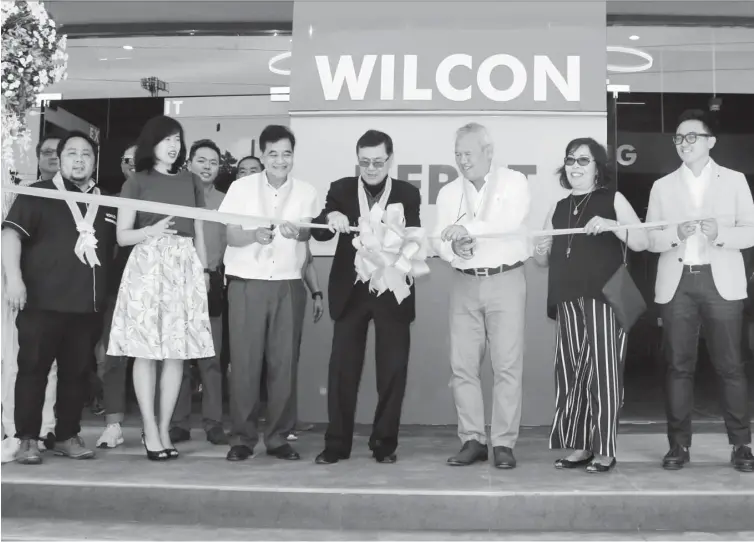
485, 272
694, 271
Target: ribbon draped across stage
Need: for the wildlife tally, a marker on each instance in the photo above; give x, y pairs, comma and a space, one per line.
388, 255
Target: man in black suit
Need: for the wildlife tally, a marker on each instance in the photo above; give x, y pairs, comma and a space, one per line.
352, 306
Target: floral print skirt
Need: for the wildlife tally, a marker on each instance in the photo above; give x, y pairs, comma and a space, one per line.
161, 311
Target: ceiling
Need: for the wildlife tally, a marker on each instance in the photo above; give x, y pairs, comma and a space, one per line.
191, 65
238, 65
108, 17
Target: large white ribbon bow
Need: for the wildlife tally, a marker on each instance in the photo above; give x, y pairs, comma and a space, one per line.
389, 256
86, 244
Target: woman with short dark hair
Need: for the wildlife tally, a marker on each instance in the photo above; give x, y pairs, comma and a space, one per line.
161, 313
591, 345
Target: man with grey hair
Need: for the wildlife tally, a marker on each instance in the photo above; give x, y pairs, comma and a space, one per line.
488, 296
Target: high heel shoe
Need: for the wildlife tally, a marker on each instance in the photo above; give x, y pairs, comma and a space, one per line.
162, 455
172, 453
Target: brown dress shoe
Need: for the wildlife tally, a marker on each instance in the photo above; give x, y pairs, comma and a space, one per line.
28, 453
73, 448
471, 452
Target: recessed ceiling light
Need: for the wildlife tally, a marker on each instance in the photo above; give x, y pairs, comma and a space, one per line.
127, 47
103, 59
634, 37
275, 34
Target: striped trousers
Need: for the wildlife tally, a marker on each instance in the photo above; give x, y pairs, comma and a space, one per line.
591, 347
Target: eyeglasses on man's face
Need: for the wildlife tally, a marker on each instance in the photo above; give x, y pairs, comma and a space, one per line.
127, 160
379, 163
690, 138
581, 160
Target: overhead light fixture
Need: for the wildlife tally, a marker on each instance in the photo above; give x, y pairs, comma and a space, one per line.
128, 47
633, 38
280, 94
103, 59
614, 68
277, 58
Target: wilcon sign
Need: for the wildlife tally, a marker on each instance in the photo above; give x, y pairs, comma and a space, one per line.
439, 56
498, 78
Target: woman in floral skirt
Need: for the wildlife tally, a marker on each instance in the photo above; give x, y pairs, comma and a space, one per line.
161, 314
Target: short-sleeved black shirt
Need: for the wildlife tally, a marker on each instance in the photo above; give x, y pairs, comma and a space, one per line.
183, 188
55, 279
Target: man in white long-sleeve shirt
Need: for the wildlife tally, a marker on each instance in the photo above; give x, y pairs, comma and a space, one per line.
488, 296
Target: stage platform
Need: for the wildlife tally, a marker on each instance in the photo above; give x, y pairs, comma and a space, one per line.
419, 493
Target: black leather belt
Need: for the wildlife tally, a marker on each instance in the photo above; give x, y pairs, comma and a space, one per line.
489, 271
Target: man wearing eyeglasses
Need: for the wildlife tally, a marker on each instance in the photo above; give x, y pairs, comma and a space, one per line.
127, 165
48, 165
488, 295
352, 306
701, 278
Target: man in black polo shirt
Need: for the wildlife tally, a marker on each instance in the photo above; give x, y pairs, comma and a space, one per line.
55, 257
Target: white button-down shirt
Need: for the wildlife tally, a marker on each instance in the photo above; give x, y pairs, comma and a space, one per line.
501, 206
283, 259
696, 245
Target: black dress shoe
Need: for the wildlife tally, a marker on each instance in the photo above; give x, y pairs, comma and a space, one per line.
239, 452
596, 467
676, 458
179, 434
742, 459
328, 457
504, 457
285, 451
471, 452
216, 435
565, 463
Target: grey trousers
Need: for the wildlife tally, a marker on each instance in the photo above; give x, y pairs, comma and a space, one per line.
112, 371
265, 322
488, 311
212, 386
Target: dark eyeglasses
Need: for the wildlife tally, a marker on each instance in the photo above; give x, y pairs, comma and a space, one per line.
690, 138
378, 164
581, 160
127, 160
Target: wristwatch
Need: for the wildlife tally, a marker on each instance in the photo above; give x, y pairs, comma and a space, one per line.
316, 295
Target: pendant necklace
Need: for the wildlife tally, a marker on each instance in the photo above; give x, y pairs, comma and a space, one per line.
575, 207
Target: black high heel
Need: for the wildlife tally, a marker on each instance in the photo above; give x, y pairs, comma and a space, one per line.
162, 455
172, 453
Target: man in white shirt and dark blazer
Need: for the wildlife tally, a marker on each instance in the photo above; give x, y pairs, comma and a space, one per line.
701, 279
488, 296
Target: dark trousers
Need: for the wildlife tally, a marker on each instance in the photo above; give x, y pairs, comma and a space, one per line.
114, 371
698, 302
212, 386
45, 336
266, 319
393, 339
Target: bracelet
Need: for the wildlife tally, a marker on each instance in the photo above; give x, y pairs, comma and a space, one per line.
316, 295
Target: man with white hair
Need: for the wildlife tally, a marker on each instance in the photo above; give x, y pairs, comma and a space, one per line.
488, 296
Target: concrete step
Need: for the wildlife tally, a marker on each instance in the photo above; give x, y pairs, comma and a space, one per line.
419, 493
46, 530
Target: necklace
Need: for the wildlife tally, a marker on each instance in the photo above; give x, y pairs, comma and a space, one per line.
577, 205
575, 212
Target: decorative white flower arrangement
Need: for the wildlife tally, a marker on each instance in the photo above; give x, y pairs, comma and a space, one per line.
33, 58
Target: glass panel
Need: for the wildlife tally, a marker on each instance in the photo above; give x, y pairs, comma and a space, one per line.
692, 68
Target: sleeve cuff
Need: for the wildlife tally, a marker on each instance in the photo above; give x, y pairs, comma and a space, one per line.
17, 227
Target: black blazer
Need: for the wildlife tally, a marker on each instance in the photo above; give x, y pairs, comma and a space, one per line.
343, 196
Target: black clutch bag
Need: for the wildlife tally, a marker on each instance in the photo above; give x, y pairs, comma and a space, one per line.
623, 295
215, 293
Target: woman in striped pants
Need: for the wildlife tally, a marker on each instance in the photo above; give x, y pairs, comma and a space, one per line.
591, 345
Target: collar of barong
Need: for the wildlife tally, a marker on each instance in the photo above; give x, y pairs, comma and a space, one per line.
86, 244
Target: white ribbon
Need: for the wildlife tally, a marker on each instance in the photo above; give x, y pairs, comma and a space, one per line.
86, 244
